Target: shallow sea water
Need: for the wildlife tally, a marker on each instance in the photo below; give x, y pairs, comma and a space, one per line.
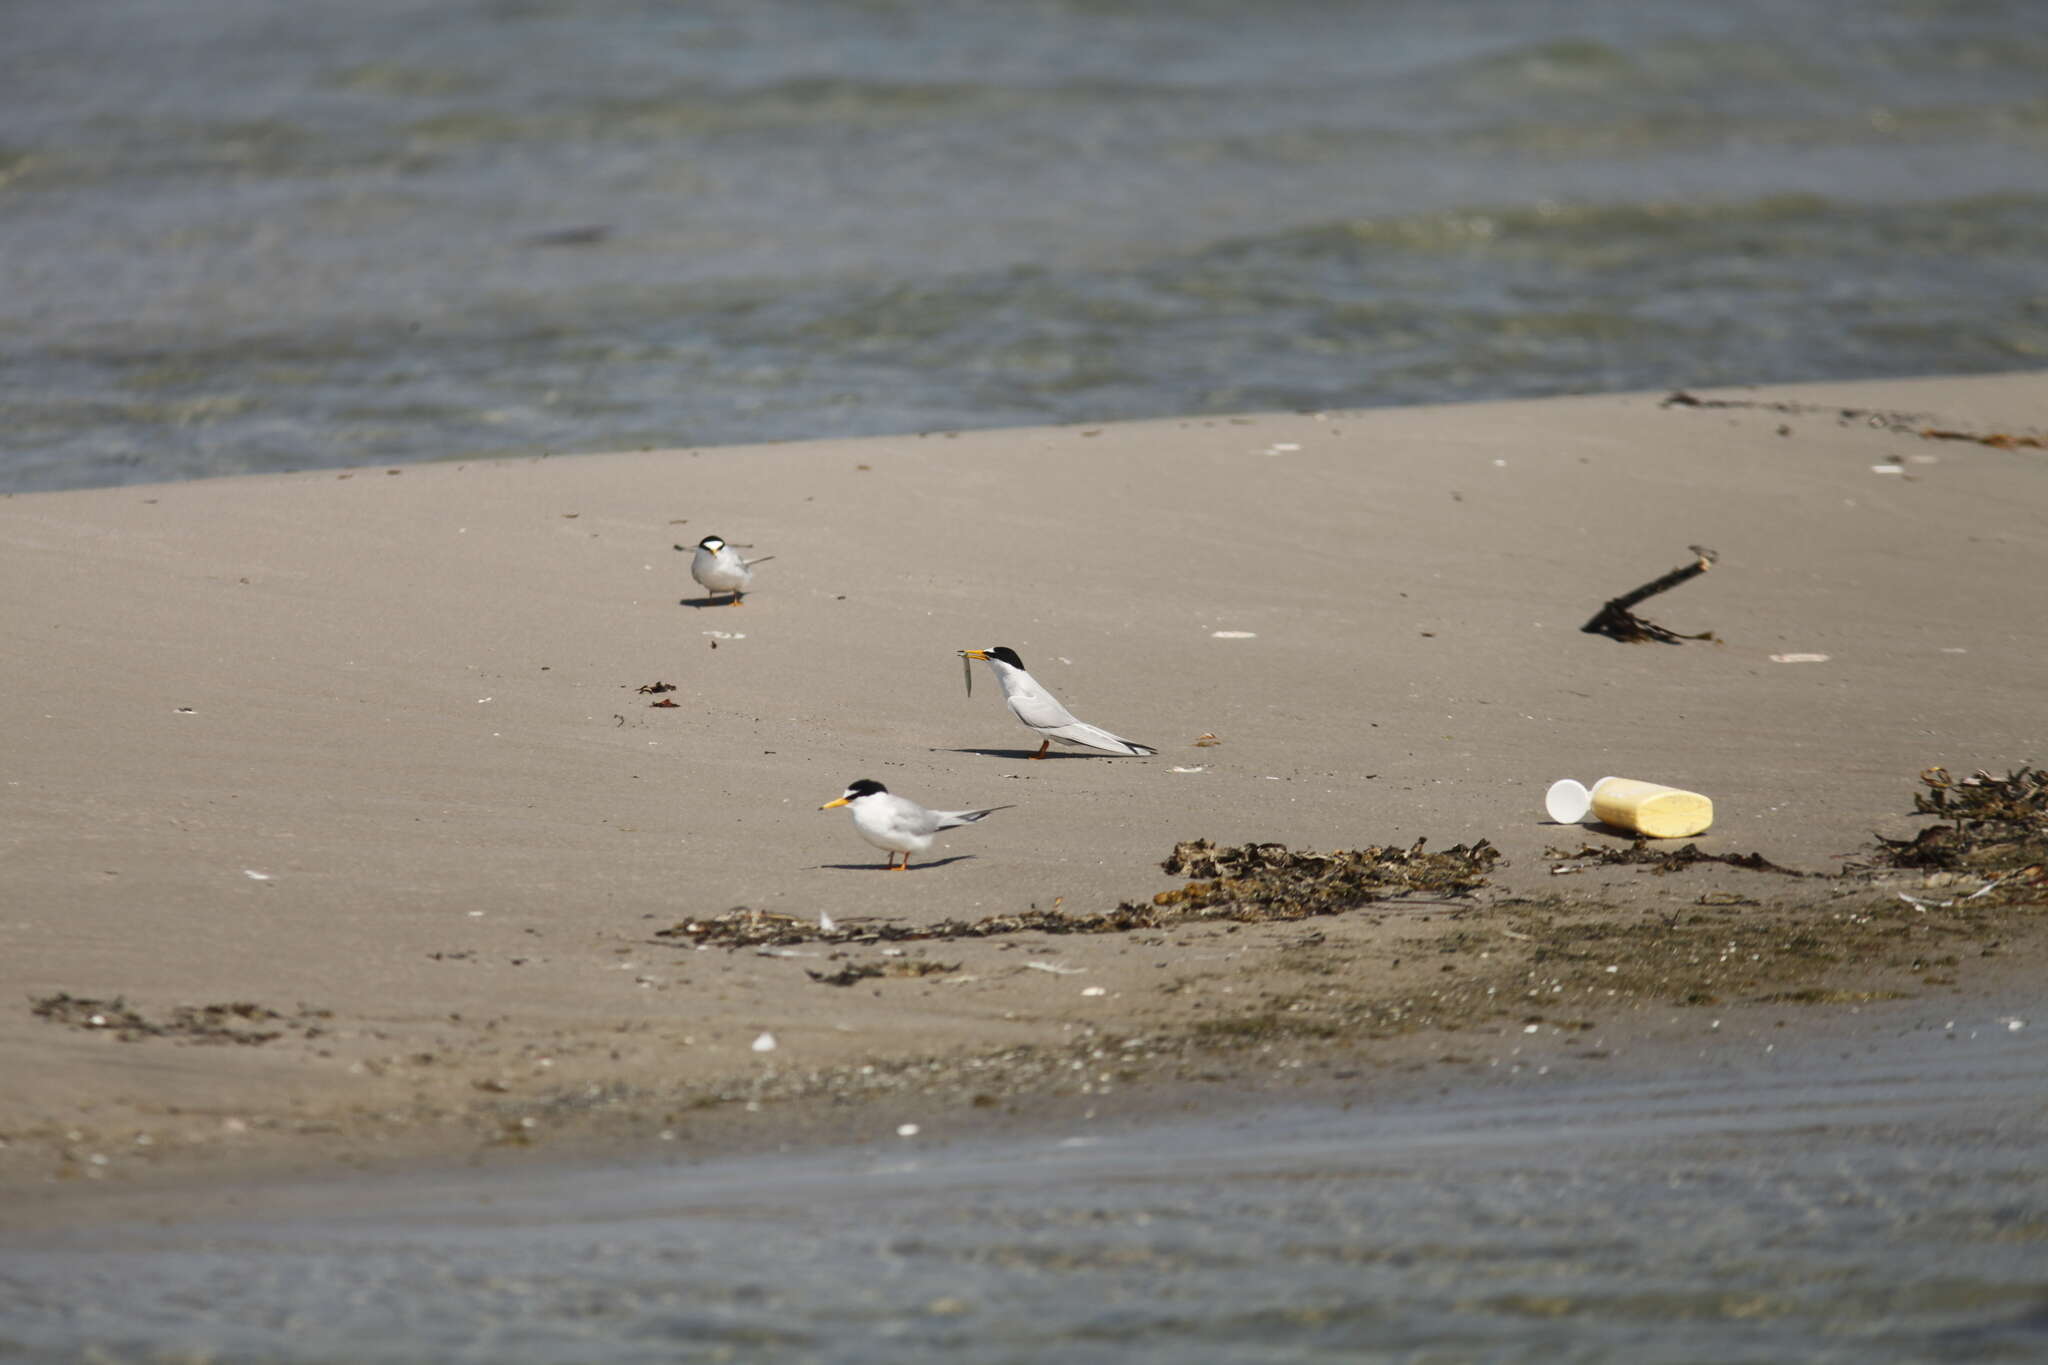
241, 237
1858, 1199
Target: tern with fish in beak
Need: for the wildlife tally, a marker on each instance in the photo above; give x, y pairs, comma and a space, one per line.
1041, 712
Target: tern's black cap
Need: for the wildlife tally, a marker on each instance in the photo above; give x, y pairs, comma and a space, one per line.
1007, 655
711, 543
867, 786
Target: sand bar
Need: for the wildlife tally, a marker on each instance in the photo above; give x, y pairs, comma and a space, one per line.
367, 749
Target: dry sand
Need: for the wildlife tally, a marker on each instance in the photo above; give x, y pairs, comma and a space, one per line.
368, 750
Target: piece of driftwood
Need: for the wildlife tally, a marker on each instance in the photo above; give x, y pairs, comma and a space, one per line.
1617, 622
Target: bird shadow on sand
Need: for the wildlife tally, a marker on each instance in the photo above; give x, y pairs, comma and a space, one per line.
876, 867
1015, 753
702, 602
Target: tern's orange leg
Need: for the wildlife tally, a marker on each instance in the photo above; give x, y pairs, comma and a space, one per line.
1043, 745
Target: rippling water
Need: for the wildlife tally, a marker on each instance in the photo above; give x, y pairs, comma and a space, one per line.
240, 236
1798, 1204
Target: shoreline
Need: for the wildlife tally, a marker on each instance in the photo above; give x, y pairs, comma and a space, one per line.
366, 750
1481, 1069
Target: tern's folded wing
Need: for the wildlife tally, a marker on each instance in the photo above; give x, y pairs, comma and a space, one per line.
950, 818
1039, 711
1082, 735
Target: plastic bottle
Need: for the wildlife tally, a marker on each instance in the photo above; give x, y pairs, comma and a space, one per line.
1640, 807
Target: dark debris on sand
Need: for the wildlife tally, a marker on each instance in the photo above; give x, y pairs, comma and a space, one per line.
1249, 884
1991, 826
1617, 622
240, 1022
1659, 860
1995, 828
854, 973
1260, 882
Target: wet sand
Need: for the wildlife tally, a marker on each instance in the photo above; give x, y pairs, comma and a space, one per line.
1769, 1195
368, 752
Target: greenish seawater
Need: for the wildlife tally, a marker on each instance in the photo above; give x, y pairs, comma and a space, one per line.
243, 239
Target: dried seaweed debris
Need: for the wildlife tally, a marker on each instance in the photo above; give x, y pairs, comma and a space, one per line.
219, 1024
1996, 826
1902, 423
854, 972
1248, 884
1274, 882
1662, 860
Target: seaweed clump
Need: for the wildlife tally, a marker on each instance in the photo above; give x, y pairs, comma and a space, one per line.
1259, 882
1992, 826
1249, 884
1667, 860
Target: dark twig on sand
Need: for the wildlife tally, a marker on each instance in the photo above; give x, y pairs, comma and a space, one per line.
1617, 622
1997, 440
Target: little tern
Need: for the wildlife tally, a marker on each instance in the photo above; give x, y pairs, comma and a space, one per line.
1042, 713
719, 568
898, 824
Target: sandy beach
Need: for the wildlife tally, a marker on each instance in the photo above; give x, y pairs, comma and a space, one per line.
372, 754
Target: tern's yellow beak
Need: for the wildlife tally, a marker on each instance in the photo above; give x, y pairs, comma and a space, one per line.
842, 801
974, 654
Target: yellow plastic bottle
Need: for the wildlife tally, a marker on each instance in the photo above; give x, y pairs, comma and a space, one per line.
1645, 808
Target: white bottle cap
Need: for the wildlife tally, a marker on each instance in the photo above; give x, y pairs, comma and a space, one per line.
1567, 801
